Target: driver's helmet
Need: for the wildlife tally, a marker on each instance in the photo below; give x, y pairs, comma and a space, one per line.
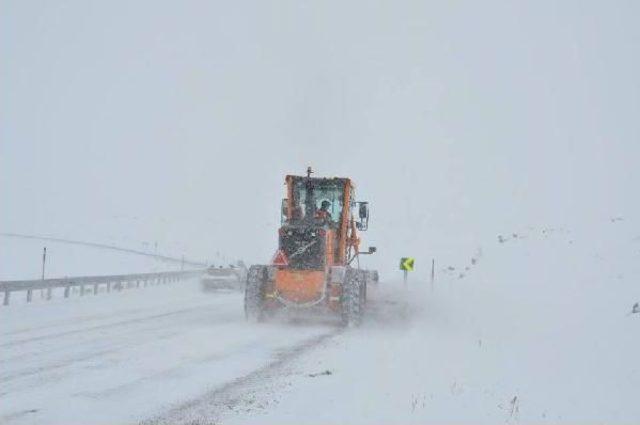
325, 205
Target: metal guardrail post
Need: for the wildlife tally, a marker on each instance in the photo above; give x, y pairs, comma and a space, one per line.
79, 284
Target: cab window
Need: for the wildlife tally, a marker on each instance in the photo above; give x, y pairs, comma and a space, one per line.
309, 195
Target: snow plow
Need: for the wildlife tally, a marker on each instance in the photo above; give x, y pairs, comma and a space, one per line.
317, 264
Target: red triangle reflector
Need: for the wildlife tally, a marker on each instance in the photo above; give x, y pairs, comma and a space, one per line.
280, 259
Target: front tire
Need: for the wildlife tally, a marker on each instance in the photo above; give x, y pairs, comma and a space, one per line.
353, 298
254, 293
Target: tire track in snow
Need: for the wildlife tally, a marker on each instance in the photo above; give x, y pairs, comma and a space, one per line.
127, 322
132, 314
174, 370
135, 326
207, 408
50, 368
111, 344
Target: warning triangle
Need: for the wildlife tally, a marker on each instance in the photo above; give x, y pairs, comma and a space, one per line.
280, 259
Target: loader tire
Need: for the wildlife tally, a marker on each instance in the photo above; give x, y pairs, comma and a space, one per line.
254, 293
353, 298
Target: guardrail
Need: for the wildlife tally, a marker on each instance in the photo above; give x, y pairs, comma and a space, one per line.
115, 282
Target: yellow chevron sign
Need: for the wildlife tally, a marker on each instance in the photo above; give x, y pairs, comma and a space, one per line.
406, 263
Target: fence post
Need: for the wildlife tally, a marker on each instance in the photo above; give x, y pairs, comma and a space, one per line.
108, 286
49, 292
137, 283
7, 295
44, 259
29, 295
95, 289
67, 289
433, 272
81, 290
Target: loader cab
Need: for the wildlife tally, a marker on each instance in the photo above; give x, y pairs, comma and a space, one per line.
305, 198
313, 240
309, 235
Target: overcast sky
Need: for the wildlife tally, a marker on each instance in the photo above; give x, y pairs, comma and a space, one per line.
135, 122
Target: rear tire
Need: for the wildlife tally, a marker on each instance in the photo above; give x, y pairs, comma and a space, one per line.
254, 293
353, 298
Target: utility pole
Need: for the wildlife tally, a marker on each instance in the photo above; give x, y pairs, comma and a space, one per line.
433, 272
44, 262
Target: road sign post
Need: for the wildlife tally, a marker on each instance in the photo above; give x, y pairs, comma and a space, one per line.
407, 265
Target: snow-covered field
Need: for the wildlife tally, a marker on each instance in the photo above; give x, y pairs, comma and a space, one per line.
22, 259
534, 326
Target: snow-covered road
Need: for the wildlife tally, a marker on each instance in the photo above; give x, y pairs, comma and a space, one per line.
120, 358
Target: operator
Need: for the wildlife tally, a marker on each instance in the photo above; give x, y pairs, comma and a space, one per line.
323, 213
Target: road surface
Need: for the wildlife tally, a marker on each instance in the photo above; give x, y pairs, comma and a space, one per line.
122, 357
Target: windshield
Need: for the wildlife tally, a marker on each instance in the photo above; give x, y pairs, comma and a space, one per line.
310, 195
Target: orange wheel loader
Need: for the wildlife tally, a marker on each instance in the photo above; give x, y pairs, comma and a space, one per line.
317, 262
